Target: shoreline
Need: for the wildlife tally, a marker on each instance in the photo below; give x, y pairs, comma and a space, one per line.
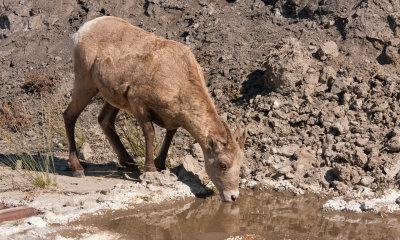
73, 198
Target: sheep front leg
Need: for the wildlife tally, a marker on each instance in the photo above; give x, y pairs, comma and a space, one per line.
148, 131
162, 155
142, 115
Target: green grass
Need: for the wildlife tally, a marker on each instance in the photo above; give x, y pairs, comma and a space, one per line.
16, 223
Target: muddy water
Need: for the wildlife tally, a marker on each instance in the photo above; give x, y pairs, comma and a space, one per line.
254, 216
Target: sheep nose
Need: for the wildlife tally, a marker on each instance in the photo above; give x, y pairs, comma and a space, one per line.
234, 197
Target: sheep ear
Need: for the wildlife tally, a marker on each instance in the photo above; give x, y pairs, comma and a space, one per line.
239, 137
243, 139
237, 134
229, 137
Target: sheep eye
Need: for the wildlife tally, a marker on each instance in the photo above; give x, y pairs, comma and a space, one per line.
222, 166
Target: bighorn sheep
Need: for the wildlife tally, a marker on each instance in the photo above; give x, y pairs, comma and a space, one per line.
158, 81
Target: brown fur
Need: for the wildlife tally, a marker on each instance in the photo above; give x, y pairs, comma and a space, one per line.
158, 81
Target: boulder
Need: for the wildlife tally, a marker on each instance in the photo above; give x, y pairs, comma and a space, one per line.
286, 65
327, 51
392, 168
288, 150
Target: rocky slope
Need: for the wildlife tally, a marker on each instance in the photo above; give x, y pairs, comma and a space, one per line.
316, 83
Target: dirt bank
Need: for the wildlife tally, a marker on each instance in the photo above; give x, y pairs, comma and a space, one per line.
315, 82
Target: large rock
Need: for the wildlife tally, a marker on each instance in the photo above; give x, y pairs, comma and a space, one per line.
341, 125
188, 163
327, 75
390, 54
393, 143
394, 19
286, 65
346, 173
328, 50
197, 152
340, 85
154, 7
367, 180
359, 158
191, 167
288, 150
370, 20
392, 168
304, 159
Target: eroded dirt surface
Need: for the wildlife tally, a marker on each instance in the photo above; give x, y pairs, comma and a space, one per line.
315, 82
256, 215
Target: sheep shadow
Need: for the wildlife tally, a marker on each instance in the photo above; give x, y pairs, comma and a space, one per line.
193, 181
59, 166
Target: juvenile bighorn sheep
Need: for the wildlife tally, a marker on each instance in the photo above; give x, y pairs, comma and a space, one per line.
158, 81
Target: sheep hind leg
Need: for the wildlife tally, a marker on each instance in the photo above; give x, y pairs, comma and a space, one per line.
80, 99
107, 122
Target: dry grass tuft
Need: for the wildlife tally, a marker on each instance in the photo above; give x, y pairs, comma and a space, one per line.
40, 81
34, 163
132, 136
14, 116
30, 144
54, 106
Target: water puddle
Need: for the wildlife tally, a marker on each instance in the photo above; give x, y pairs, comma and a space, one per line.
256, 215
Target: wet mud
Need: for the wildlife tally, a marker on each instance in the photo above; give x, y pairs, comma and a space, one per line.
256, 215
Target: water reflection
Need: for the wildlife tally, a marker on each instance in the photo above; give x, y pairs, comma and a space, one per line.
270, 215
199, 219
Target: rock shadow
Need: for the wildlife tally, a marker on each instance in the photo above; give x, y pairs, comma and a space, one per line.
296, 10
329, 176
193, 181
384, 58
254, 85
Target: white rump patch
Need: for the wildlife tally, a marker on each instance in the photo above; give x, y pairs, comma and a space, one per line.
85, 27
